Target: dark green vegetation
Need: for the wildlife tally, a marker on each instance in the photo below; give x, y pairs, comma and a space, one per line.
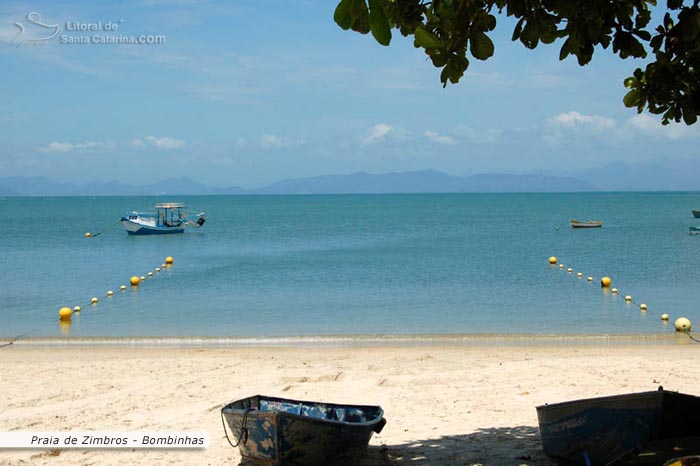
449, 31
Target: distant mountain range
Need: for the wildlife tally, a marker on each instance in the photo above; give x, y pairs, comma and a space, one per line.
613, 177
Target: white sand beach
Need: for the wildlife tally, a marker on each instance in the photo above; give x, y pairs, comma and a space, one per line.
444, 405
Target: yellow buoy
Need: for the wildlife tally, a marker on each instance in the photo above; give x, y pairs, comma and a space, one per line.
579, 275
65, 313
94, 300
76, 309
110, 293
134, 281
614, 291
122, 287
569, 270
590, 279
628, 298
682, 324
552, 260
169, 260
664, 316
605, 282
87, 235
642, 307
150, 274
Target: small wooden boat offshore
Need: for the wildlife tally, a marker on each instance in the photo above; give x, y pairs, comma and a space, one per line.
597, 431
586, 223
169, 217
280, 431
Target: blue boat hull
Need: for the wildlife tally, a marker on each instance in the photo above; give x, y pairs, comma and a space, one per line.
134, 228
597, 431
278, 431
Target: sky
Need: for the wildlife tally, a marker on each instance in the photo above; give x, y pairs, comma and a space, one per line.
245, 93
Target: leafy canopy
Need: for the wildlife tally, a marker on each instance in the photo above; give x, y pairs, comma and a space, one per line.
450, 31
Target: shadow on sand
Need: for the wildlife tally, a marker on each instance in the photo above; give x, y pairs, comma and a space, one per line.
498, 446
488, 446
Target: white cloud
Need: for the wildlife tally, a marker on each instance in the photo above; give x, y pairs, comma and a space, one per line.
139, 144
653, 128
575, 119
158, 143
270, 141
484, 136
377, 133
165, 142
438, 138
58, 147
564, 126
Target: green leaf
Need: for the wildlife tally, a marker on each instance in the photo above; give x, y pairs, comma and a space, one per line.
481, 46
630, 82
690, 116
518, 29
378, 23
426, 39
631, 99
565, 49
342, 15
357, 8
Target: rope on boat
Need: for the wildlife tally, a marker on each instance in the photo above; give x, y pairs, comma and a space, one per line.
108, 228
242, 435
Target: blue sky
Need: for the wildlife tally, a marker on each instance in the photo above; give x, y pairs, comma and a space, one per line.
249, 92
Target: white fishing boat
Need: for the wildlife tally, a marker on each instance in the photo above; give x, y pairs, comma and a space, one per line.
167, 218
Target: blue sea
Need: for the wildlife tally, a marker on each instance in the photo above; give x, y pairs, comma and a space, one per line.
353, 265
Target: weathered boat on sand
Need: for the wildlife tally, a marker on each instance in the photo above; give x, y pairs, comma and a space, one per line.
597, 431
585, 223
169, 217
280, 431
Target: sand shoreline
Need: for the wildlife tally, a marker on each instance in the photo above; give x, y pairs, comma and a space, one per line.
356, 340
460, 404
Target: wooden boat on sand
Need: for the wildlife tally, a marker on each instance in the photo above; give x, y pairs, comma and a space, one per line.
279, 431
599, 431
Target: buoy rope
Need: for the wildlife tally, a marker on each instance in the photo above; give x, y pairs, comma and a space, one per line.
16, 338
687, 332
108, 228
632, 301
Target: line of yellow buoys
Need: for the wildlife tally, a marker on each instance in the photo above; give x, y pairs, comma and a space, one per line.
682, 324
65, 313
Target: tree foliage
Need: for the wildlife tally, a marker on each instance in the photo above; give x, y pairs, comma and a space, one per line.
452, 31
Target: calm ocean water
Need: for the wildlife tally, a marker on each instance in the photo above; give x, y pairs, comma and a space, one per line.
354, 265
